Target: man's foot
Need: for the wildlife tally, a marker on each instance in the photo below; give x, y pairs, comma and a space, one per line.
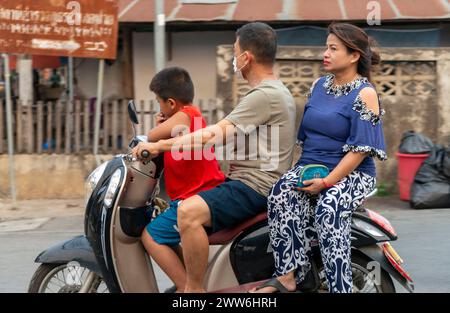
281, 284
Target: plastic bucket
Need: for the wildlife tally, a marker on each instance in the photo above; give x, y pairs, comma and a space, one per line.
408, 165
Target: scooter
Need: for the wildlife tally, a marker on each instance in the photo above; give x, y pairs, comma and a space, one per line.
121, 196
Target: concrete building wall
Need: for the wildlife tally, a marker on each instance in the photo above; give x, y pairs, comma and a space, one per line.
195, 51
47, 176
86, 71
413, 83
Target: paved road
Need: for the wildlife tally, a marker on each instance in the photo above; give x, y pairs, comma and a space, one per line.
423, 244
18, 249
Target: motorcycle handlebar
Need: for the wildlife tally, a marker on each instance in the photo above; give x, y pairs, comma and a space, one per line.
145, 154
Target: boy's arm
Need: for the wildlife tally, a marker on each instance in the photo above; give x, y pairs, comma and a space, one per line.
164, 130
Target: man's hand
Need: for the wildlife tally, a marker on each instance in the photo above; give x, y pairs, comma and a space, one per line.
151, 147
315, 186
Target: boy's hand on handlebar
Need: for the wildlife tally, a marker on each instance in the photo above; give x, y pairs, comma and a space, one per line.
151, 147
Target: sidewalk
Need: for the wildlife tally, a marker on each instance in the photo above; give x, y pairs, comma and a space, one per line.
387, 203
45, 208
30, 209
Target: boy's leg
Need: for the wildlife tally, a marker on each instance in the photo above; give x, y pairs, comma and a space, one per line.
167, 259
160, 239
193, 215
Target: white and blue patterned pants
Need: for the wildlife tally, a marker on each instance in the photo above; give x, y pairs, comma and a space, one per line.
298, 220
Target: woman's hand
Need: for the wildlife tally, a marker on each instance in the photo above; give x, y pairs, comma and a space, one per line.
315, 186
151, 147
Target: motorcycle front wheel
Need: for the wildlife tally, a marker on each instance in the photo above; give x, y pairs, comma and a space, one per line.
64, 278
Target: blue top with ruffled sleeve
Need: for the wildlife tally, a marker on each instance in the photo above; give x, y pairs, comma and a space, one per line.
336, 121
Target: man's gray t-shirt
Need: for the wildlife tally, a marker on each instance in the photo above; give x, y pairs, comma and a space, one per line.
265, 118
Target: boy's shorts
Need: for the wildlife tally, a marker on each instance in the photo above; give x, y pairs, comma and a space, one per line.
164, 228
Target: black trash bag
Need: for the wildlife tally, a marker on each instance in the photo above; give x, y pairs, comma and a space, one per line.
431, 188
415, 143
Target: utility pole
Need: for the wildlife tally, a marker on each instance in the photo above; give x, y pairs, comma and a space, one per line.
9, 121
159, 35
98, 108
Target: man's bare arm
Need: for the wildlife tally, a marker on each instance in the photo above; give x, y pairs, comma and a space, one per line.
216, 133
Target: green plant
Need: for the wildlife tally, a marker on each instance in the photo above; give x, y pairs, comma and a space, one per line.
385, 188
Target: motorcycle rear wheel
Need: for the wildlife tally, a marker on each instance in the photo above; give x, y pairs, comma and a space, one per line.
367, 277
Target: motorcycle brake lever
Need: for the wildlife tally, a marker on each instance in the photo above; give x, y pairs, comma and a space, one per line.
130, 158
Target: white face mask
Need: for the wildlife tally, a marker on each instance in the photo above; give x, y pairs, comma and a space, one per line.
235, 68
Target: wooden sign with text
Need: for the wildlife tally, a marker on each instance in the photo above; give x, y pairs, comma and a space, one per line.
81, 28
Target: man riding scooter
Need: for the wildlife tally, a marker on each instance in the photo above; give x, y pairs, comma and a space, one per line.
268, 105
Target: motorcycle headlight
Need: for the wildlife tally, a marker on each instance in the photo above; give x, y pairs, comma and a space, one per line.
112, 188
92, 180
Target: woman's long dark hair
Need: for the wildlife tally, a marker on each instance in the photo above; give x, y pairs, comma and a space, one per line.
356, 39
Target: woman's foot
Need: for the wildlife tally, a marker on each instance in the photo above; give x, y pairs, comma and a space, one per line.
282, 284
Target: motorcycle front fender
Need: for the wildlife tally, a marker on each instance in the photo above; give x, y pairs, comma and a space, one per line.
374, 252
76, 249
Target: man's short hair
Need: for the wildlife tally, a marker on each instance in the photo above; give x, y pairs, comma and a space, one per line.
260, 39
175, 83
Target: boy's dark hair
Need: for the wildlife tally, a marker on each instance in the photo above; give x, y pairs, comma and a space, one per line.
260, 39
175, 83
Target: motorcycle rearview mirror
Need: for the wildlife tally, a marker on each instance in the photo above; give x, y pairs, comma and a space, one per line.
133, 115
132, 112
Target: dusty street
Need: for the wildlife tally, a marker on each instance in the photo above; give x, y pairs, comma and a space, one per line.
36, 225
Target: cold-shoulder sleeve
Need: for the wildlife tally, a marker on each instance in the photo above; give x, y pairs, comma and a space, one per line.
366, 131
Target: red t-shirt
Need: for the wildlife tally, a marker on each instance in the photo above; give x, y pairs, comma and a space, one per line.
189, 172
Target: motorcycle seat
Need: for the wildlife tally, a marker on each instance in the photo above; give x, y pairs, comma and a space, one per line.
224, 236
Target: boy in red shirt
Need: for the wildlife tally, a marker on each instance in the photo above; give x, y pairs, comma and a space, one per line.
185, 174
